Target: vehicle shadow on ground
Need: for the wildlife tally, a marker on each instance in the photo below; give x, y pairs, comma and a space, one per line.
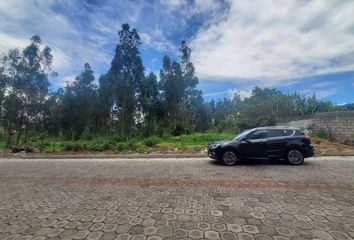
253, 162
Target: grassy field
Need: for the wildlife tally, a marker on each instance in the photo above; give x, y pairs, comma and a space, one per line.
140, 145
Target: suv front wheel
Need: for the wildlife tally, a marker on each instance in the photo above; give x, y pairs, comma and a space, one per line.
295, 157
229, 158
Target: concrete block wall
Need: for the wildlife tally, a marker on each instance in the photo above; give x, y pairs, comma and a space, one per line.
340, 125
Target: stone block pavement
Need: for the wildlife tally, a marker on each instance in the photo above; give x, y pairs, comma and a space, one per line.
176, 199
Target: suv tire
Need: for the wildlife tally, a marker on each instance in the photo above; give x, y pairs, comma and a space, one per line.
295, 156
229, 158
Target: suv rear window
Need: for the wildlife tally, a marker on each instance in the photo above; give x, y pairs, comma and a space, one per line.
299, 133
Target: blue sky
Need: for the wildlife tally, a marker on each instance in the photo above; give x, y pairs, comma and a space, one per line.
304, 46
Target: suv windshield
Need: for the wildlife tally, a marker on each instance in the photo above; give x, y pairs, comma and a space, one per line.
241, 135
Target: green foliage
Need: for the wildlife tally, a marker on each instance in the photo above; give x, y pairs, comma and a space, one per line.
2, 145
319, 134
143, 150
24, 73
131, 145
230, 125
72, 146
196, 139
151, 141
124, 78
121, 146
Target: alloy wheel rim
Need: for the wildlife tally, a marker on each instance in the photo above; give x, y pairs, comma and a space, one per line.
230, 158
295, 156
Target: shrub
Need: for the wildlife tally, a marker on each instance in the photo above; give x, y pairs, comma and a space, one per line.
116, 139
86, 135
319, 134
181, 128
121, 146
143, 149
132, 145
2, 136
152, 141
72, 147
43, 145
99, 147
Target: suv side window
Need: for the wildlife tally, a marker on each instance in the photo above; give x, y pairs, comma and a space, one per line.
281, 132
276, 133
259, 134
288, 132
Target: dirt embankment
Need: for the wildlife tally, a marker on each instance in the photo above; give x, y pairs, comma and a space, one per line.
324, 147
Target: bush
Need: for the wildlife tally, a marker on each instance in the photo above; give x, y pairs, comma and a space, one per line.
143, 149
43, 145
121, 146
116, 139
181, 128
99, 147
319, 134
132, 145
86, 135
152, 141
2, 136
72, 147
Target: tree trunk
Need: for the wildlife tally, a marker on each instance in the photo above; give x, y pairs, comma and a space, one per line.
19, 130
19, 133
26, 129
9, 136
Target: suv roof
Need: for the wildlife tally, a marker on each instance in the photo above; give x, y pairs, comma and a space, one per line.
275, 127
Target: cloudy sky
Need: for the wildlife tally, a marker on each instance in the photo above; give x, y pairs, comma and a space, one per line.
305, 46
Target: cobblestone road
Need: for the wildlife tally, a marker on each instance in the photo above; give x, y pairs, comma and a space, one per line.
176, 199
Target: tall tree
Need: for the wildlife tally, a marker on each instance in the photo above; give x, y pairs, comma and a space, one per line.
173, 90
27, 72
192, 109
125, 74
190, 81
149, 102
79, 104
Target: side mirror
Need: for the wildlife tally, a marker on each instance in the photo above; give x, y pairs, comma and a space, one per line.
245, 140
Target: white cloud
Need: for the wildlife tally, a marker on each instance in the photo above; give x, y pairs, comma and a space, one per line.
320, 94
158, 41
323, 84
8, 42
243, 93
268, 41
215, 93
66, 80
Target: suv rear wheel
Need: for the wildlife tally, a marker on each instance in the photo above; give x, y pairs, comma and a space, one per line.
229, 158
295, 157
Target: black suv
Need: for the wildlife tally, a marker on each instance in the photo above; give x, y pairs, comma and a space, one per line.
264, 142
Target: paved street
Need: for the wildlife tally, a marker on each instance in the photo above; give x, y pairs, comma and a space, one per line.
176, 199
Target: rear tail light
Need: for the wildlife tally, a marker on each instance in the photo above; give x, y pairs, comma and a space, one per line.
307, 138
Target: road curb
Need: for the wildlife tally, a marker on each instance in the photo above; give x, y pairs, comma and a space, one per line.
101, 156
127, 156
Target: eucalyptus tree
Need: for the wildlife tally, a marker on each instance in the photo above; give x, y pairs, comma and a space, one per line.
172, 90
149, 104
125, 75
27, 73
79, 105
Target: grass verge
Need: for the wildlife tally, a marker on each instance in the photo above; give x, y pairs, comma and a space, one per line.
139, 145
